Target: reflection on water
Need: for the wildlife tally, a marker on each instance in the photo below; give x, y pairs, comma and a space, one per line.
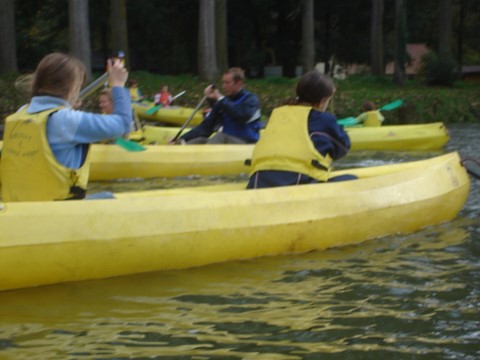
399, 297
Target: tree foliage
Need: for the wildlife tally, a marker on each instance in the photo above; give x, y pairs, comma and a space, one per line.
162, 35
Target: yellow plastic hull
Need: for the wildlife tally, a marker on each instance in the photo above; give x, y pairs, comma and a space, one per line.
391, 137
113, 162
175, 115
109, 162
53, 242
399, 137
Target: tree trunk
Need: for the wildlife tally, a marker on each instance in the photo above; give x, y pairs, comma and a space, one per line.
308, 36
377, 38
461, 30
79, 33
207, 54
118, 15
444, 28
327, 10
400, 42
8, 48
221, 33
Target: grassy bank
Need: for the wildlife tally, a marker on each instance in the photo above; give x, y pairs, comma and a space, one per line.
459, 104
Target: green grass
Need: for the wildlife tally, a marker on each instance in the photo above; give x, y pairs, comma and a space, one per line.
458, 104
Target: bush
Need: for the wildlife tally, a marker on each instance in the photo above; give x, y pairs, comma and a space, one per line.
438, 71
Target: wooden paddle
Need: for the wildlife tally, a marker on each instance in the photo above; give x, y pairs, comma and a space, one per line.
93, 86
185, 124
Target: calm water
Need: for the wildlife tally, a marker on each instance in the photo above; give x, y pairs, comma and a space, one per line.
400, 297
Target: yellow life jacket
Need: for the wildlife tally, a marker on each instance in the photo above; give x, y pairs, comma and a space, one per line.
30, 171
286, 145
134, 94
374, 118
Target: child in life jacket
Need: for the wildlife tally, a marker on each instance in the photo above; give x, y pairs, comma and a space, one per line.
301, 139
164, 97
371, 116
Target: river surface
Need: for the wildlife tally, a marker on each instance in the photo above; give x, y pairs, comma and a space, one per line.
398, 297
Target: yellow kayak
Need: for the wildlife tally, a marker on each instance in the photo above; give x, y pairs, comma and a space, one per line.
109, 162
53, 242
431, 136
175, 115
390, 137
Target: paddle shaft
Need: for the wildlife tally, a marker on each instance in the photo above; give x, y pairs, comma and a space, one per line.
189, 119
93, 86
178, 95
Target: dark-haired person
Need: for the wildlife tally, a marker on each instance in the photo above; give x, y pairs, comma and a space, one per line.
135, 93
371, 116
46, 143
301, 139
235, 115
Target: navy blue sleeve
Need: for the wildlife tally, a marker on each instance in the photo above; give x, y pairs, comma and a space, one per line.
327, 136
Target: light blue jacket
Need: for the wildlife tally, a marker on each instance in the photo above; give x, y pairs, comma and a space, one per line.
70, 131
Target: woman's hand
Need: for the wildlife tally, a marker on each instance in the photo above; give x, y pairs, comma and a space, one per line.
117, 74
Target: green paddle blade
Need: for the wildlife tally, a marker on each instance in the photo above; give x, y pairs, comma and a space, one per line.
153, 109
393, 105
349, 121
129, 145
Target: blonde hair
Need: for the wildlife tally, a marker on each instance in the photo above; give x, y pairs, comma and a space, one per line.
59, 75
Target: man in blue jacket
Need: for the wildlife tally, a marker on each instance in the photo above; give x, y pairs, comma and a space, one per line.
235, 116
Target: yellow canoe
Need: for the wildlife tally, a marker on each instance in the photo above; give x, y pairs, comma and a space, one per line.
109, 162
431, 136
390, 137
53, 242
175, 115
113, 162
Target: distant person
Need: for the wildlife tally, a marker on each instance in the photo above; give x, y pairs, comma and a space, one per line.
135, 93
301, 139
164, 97
371, 116
105, 104
235, 116
46, 143
105, 101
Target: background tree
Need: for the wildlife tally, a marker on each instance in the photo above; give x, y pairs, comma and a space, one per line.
221, 34
400, 42
79, 33
260, 32
444, 29
119, 27
207, 54
308, 36
8, 48
288, 36
376, 36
